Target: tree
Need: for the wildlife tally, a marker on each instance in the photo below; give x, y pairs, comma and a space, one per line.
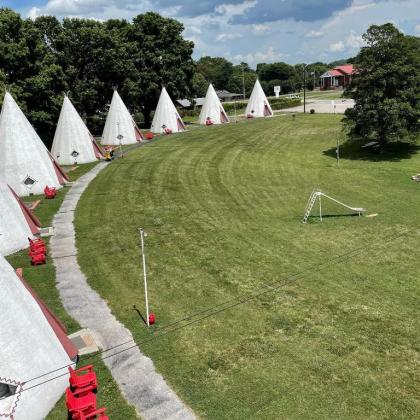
199, 85
385, 87
242, 75
44, 58
277, 74
159, 56
30, 71
216, 70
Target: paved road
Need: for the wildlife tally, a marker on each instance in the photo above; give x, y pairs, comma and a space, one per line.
323, 106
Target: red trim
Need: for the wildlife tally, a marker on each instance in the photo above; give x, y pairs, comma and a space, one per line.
267, 111
33, 222
223, 117
61, 175
138, 133
57, 326
98, 151
180, 123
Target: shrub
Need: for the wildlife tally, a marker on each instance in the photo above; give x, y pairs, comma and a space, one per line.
312, 111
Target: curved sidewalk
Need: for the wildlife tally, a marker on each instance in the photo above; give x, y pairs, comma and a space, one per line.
135, 374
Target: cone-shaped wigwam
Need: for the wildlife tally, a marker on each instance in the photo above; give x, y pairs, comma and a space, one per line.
17, 224
32, 344
26, 165
73, 142
258, 105
166, 118
212, 111
120, 128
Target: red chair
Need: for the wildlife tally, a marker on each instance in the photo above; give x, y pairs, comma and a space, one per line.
37, 245
168, 131
249, 115
78, 406
83, 379
97, 414
50, 192
149, 136
37, 258
209, 122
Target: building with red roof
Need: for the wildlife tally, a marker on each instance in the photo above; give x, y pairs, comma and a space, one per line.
337, 78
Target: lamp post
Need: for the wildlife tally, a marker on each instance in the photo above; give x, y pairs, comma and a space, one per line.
304, 87
143, 256
243, 80
120, 137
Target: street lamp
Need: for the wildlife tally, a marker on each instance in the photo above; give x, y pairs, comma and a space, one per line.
304, 87
243, 80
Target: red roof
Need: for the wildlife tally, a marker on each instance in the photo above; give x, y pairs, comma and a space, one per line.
345, 69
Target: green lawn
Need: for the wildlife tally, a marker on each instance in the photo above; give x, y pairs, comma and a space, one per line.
42, 280
222, 207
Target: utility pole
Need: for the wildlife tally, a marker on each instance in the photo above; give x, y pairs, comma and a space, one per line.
243, 80
304, 88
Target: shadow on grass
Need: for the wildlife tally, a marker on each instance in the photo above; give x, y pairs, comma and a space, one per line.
326, 216
140, 314
393, 152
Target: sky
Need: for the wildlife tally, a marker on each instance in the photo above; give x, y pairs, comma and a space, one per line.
254, 31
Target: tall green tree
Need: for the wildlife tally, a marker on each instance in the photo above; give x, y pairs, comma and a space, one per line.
386, 87
216, 70
242, 77
31, 71
158, 56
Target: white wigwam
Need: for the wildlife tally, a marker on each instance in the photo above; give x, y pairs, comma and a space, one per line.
212, 110
73, 142
14, 228
30, 347
120, 128
26, 165
258, 105
166, 116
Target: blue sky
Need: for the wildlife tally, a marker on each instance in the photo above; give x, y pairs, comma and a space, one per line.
253, 30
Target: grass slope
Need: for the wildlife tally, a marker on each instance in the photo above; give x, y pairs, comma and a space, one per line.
42, 280
222, 207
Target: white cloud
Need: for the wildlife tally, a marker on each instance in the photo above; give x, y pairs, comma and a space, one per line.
235, 9
194, 30
417, 29
354, 41
260, 29
228, 36
315, 34
336, 46
34, 12
269, 55
355, 8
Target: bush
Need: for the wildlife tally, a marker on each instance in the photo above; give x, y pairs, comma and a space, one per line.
312, 111
281, 103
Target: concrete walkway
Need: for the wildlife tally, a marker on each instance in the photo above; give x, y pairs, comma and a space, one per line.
135, 374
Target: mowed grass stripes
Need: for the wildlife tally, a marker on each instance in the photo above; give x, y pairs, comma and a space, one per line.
222, 207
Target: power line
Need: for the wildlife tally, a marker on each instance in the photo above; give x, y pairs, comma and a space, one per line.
216, 309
